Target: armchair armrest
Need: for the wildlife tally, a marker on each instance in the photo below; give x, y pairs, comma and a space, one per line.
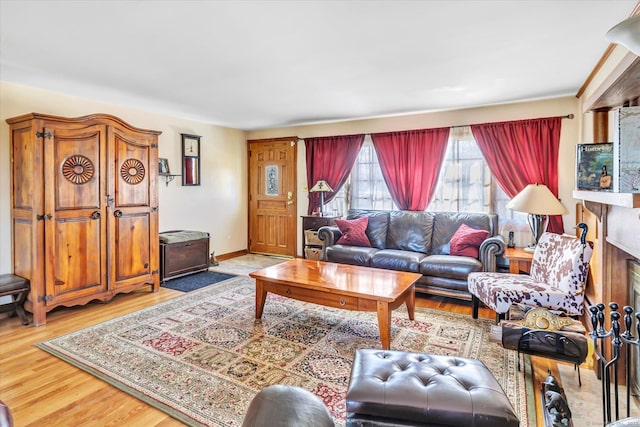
489, 250
329, 235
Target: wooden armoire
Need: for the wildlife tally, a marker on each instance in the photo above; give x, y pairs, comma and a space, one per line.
84, 208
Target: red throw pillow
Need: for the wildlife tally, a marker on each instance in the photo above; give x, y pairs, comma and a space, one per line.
466, 241
353, 231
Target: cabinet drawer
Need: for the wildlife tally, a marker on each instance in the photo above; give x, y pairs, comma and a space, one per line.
317, 297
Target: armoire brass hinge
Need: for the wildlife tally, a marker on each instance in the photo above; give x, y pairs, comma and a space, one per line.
155, 272
45, 298
154, 145
43, 135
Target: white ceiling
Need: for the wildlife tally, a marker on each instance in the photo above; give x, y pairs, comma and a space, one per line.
262, 64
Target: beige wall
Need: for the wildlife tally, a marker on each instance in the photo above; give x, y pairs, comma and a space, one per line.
218, 206
547, 108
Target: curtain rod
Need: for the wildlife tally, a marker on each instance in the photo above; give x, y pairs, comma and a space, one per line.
568, 116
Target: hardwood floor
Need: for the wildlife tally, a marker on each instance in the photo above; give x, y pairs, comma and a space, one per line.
41, 389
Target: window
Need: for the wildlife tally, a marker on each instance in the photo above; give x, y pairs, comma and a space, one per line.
465, 183
365, 188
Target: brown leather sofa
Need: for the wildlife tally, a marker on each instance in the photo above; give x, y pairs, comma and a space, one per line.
418, 242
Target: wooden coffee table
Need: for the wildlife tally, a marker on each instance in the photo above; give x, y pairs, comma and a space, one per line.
340, 286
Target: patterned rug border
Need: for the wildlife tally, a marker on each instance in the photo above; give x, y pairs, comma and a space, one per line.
151, 401
156, 400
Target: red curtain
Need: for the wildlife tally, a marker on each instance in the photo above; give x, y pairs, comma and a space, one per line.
523, 152
410, 162
330, 158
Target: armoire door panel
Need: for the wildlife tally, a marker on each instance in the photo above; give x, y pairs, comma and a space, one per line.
23, 159
78, 267
132, 183
133, 250
77, 165
74, 205
22, 254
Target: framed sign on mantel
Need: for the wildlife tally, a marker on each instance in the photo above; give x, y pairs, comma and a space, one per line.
190, 159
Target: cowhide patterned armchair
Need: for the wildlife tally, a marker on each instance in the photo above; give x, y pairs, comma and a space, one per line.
558, 274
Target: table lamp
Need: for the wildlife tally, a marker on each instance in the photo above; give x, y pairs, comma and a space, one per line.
321, 186
539, 202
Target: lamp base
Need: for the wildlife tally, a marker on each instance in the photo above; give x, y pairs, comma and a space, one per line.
530, 249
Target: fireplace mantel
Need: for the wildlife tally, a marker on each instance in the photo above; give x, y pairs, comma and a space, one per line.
625, 200
619, 217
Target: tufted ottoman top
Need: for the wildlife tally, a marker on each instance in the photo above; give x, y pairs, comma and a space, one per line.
178, 236
427, 389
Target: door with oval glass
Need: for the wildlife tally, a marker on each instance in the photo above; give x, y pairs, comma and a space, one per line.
272, 196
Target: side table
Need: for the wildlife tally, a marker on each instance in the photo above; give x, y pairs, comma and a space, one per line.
313, 223
519, 260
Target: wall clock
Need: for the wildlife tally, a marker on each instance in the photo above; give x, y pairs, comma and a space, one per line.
190, 159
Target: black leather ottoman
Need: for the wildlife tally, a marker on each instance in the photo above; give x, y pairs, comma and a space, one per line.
395, 388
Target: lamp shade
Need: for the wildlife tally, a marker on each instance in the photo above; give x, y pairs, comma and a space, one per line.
537, 199
321, 185
627, 33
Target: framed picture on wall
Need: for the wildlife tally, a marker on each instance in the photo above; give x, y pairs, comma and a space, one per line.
163, 166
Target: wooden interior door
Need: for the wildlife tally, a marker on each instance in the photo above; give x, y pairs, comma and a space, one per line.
75, 241
272, 196
133, 216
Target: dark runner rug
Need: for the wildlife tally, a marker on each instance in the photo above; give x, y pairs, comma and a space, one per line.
202, 357
196, 281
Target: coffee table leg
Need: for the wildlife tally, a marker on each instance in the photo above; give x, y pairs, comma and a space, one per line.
261, 296
411, 302
384, 324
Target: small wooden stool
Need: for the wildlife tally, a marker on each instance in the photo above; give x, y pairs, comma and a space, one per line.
17, 287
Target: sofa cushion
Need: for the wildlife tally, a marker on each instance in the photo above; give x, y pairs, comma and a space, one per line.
394, 259
410, 231
377, 227
467, 240
354, 255
353, 232
451, 266
446, 224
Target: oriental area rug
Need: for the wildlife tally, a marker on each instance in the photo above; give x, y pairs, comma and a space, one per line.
203, 356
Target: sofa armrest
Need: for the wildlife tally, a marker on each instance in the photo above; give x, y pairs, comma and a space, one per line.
329, 235
489, 250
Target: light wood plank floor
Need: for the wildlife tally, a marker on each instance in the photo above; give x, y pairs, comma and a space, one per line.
40, 389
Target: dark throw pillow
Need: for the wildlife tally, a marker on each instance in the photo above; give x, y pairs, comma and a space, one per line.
353, 232
467, 240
